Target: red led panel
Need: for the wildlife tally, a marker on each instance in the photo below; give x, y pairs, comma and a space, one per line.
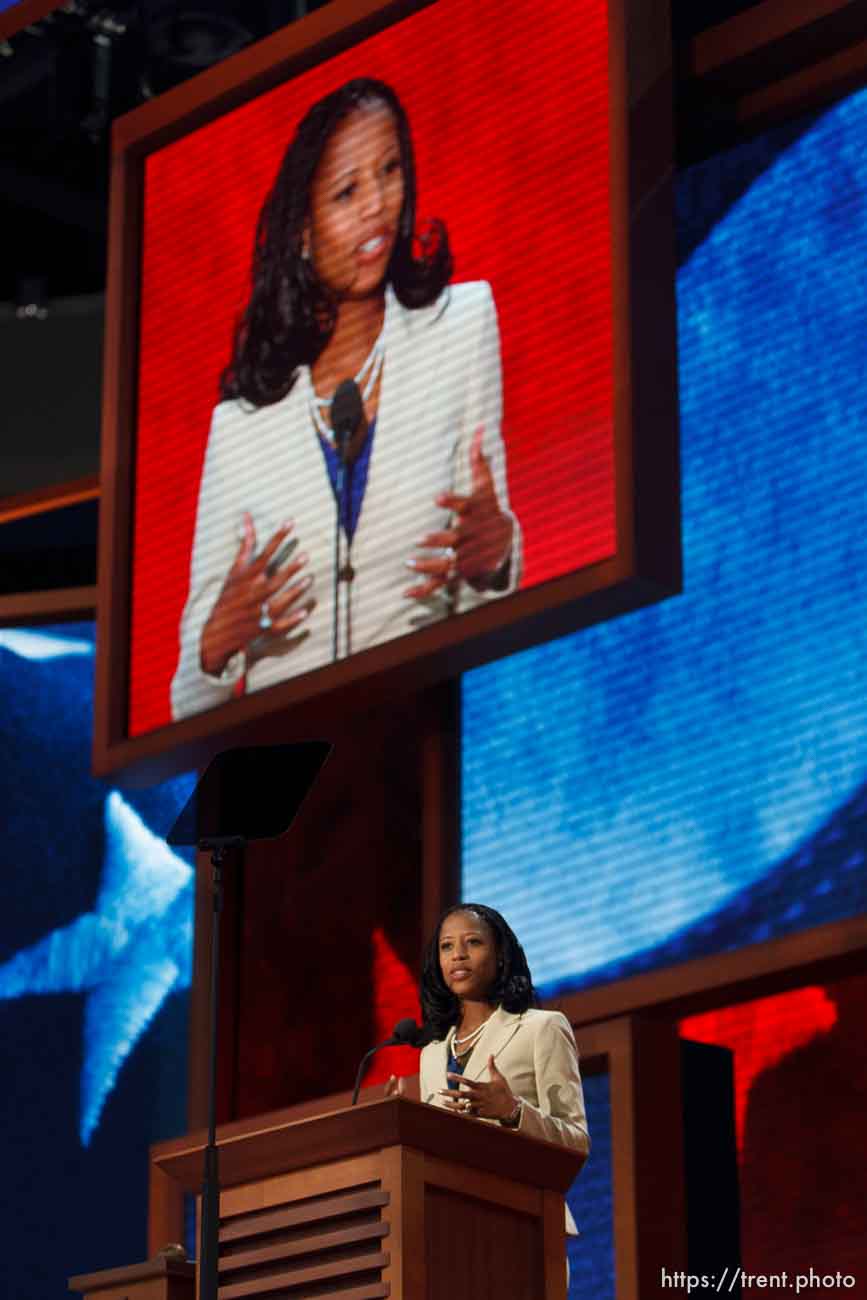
800, 1064
524, 196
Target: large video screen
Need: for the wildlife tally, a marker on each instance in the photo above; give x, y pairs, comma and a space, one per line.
421, 216
370, 388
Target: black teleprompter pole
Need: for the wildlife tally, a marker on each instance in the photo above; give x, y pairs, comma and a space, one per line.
245, 794
209, 1242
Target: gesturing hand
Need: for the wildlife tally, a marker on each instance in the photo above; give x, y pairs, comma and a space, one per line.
494, 1100
248, 606
477, 541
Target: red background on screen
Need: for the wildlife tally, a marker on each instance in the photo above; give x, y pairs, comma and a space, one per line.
510, 126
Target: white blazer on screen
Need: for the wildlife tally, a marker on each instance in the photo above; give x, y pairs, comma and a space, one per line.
440, 382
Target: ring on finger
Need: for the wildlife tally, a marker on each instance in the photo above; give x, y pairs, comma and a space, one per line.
451, 555
265, 622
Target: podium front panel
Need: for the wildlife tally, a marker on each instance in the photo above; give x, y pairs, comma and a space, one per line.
307, 1233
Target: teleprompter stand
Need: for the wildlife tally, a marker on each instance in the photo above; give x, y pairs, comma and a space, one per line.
243, 795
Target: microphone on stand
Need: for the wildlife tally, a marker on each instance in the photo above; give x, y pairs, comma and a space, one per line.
406, 1033
347, 412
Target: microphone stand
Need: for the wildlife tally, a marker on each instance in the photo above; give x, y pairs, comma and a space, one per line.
244, 794
347, 412
340, 495
389, 1042
342, 572
406, 1034
210, 1228
347, 573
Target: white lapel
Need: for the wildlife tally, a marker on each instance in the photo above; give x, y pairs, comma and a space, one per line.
278, 471
502, 1026
441, 1064
302, 442
408, 379
434, 1065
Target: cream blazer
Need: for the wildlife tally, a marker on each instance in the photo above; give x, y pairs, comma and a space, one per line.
441, 380
536, 1052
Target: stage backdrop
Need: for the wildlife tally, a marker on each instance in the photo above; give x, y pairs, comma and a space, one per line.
510, 125
692, 778
96, 937
95, 969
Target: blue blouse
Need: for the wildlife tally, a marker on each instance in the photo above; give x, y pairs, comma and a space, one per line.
353, 497
454, 1067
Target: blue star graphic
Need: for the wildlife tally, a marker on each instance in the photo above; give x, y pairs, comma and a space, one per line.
126, 956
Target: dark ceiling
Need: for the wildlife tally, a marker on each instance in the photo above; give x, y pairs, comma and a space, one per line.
66, 77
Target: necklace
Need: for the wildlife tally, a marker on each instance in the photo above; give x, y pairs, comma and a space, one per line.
471, 1037
368, 375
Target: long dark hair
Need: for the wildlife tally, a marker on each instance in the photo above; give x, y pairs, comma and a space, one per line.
512, 989
290, 315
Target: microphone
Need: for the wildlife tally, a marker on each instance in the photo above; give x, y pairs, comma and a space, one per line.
406, 1033
409, 1033
347, 412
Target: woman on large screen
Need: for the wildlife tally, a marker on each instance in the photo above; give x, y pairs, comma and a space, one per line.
344, 289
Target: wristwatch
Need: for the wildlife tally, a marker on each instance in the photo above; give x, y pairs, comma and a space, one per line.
513, 1120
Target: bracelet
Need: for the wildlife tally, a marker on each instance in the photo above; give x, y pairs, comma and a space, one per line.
513, 1120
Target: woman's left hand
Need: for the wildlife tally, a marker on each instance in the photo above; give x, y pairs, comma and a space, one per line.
494, 1100
477, 544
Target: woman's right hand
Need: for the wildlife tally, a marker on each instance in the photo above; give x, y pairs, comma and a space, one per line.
249, 592
395, 1087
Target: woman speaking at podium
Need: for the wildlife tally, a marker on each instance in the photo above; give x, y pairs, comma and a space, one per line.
496, 1057
343, 287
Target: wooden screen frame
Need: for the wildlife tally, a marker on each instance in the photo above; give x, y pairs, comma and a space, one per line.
819, 952
646, 564
57, 604
24, 14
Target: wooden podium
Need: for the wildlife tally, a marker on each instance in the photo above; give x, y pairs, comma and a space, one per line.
160, 1278
393, 1198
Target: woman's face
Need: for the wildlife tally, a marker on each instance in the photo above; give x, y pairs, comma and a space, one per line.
468, 955
355, 204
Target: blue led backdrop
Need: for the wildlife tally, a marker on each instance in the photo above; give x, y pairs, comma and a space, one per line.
95, 965
687, 779
591, 1255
